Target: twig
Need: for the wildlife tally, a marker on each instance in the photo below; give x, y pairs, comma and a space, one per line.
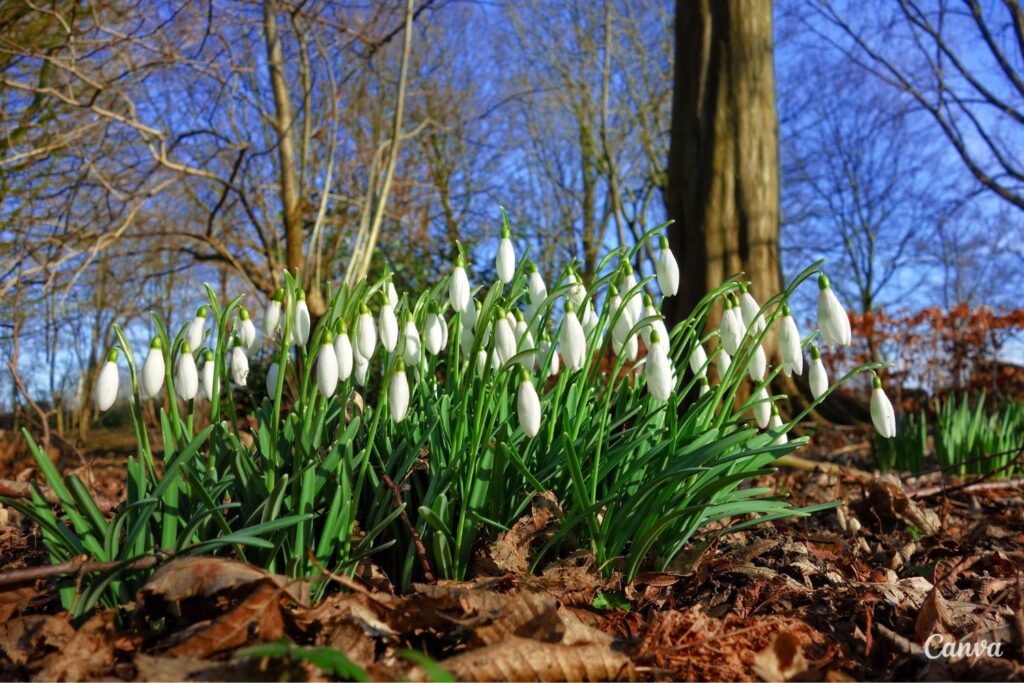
969, 487
806, 465
79, 565
421, 550
339, 578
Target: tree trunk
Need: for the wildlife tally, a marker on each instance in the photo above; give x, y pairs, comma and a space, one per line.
723, 173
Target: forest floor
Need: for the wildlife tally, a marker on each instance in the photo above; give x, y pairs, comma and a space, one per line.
851, 594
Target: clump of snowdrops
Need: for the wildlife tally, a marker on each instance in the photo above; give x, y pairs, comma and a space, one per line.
419, 427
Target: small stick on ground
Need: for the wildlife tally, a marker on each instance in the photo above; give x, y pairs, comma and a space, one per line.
806, 465
421, 550
80, 565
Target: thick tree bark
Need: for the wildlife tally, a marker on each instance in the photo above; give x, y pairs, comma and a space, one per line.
723, 174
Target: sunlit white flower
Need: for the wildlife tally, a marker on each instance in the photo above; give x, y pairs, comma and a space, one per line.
590, 320
206, 380
657, 324
790, 352
196, 329
105, 391
722, 361
634, 301
704, 386
343, 351
272, 316
750, 311
731, 331
698, 361
153, 369
471, 314
505, 261
882, 414
366, 334
458, 287
387, 327
434, 329
300, 326
246, 329
758, 364
239, 364
495, 359
524, 341
392, 293
545, 348
186, 378
817, 377
776, 423
577, 292
572, 342
762, 407
398, 394
528, 404
504, 338
537, 289
327, 366
411, 349
658, 370
481, 363
272, 379
667, 269
362, 368
833, 320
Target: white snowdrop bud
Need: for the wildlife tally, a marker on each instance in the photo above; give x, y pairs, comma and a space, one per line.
667, 269
833, 321
704, 386
590, 320
246, 329
239, 364
776, 423
504, 338
537, 289
104, 393
524, 342
153, 369
624, 320
196, 329
750, 311
470, 315
577, 292
495, 359
481, 363
555, 365
657, 325
505, 261
634, 301
731, 328
300, 326
528, 404
387, 327
392, 293
699, 361
762, 407
758, 364
458, 287
660, 376
398, 394
366, 334
722, 361
411, 349
572, 342
434, 331
186, 378
272, 379
327, 366
209, 368
272, 316
362, 368
343, 351
790, 352
817, 377
882, 414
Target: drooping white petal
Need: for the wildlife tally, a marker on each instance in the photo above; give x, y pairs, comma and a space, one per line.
481, 363
411, 351
882, 414
398, 396
572, 342
300, 326
343, 352
362, 368
387, 327
434, 333
104, 393
790, 352
247, 332
731, 330
762, 407
658, 371
524, 342
528, 404
758, 364
366, 335
206, 380
326, 369
577, 292
153, 370
505, 261
750, 312
817, 377
667, 270
186, 378
775, 423
392, 294
239, 365
704, 386
833, 320
634, 301
272, 316
698, 360
538, 290
196, 329
624, 320
504, 339
722, 361
458, 289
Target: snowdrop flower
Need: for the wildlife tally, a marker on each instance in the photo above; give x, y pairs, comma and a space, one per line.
524, 341
326, 366
634, 302
661, 377
750, 311
300, 326
387, 326
362, 368
246, 329
758, 364
196, 329
723, 361
776, 423
505, 261
572, 342
471, 314
667, 269
623, 318
366, 334
882, 414
495, 359
817, 377
272, 379
545, 347
186, 378
239, 364
577, 292
833, 321
411, 350
481, 363
398, 394
590, 320
209, 367
392, 293
698, 361
762, 407
537, 289
153, 369
434, 331
704, 386
528, 404
458, 287
343, 351
658, 324
272, 316
790, 352
105, 391
731, 328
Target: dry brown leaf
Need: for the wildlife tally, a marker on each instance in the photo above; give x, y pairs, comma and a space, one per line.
887, 498
782, 659
151, 668
933, 617
257, 618
88, 654
522, 659
190, 577
527, 615
32, 637
511, 552
14, 600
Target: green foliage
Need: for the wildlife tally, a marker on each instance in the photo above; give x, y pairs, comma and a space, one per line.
907, 451
332, 662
